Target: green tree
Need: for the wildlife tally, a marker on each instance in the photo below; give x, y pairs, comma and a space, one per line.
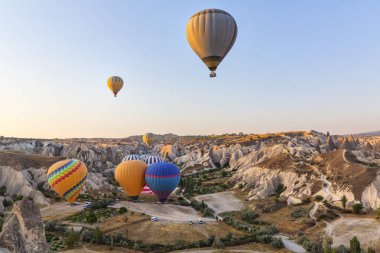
370, 250
98, 235
122, 210
188, 184
327, 247
344, 201
72, 239
355, 245
91, 217
357, 208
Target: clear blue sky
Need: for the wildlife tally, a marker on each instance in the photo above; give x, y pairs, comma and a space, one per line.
296, 65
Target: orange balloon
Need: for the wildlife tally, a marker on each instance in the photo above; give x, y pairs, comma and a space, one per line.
131, 177
67, 178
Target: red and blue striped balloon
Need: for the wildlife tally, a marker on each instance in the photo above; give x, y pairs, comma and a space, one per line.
162, 179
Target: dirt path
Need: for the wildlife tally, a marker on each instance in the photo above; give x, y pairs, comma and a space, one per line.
167, 212
222, 202
326, 189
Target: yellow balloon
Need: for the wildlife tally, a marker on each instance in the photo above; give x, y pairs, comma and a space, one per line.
115, 84
211, 34
67, 178
148, 138
131, 177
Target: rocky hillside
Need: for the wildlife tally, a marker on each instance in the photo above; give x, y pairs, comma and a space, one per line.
260, 164
24, 226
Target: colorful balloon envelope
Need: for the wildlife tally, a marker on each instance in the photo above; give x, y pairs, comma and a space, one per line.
153, 159
130, 176
211, 34
67, 178
148, 138
131, 158
162, 179
115, 84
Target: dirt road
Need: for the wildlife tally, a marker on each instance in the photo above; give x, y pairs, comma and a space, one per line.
222, 202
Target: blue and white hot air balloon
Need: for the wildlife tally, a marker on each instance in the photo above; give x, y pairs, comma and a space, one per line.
131, 158
153, 159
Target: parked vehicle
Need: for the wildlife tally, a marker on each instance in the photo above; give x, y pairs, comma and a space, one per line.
87, 205
190, 222
200, 221
154, 219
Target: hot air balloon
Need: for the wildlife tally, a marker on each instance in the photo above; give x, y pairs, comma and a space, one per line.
131, 158
148, 138
115, 84
211, 34
152, 159
130, 175
67, 178
162, 179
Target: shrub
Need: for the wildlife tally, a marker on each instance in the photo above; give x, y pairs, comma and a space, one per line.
98, 235
344, 201
184, 203
91, 217
100, 204
249, 216
218, 244
301, 212
357, 208
342, 249
318, 198
355, 245
277, 243
122, 210
18, 197
87, 235
3, 189
72, 239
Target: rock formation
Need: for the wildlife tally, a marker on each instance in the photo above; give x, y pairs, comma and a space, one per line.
23, 230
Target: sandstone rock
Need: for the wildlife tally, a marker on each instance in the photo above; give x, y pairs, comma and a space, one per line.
293, 201
23, 230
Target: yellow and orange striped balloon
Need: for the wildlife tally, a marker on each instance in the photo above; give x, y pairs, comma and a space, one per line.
131, 176
115, 84
67, 178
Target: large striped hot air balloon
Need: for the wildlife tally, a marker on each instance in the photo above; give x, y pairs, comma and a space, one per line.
115, 84
131, 158
211, 34
67, 178
162, 179
131, 176
152, 159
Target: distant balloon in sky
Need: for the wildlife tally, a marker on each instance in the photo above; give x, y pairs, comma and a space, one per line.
148, 138
115, 84
162, 179
211, 34
67, 178
131, 177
